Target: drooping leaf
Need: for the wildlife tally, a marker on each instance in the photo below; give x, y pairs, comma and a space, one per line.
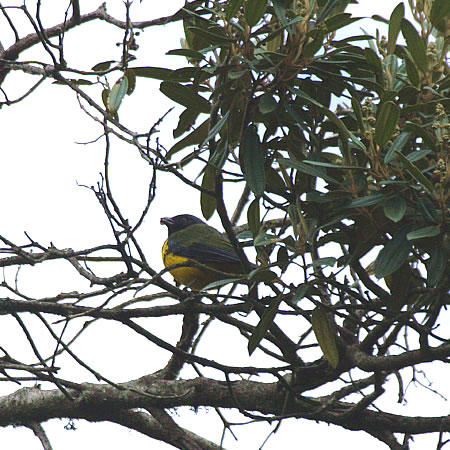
393, 254
325, 336
185, 96
399, 284
252, 153
282, 258
440, 12
373, 59
412, 72
356, 105
254, 11
416, 45
394, 26
131, 76
395, 208
312, 47
397, 146
300, 292
415, 173
117, 94
254, 222
216, 128
208, 203
264, 324
232, 8
386, 122
195, 137
436, 266
428, 210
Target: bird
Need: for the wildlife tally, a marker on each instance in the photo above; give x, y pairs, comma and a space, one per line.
191, 239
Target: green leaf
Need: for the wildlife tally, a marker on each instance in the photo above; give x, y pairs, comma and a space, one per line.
412, 72
220, 283
373, 60
436, 266
196, 137
339, 21
415, 173
216, 128
158, 73
393, 254
440, 10
232, 8
78, 82
213, 35
312, 47
263, 326
300, 292
254, 11
328, 261
254, 222
428, 210
208, 203
131, 76
333, 165
267, 104
252, 154
369, 200
331, 115
356, 105
261, 275
185, 96
329, 8
418, 155
386, 122
394, 26
430, 231
397, 146
187, 52
105, 96
282, 258
264, 239
118, 92
416, 45
420, 131
395, 208
305, 168
325, 336
102, 66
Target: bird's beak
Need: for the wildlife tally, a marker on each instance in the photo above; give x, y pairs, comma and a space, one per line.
166, 221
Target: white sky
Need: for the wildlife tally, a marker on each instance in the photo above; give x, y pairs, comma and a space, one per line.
41, 167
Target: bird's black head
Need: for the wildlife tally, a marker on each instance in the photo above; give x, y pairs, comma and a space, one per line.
180, 222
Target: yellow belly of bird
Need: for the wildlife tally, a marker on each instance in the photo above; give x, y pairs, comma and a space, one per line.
191, 277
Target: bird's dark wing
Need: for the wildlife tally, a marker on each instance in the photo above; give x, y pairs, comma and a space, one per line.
204, 244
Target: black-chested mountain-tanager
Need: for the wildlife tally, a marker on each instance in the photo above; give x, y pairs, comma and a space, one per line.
191, 239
